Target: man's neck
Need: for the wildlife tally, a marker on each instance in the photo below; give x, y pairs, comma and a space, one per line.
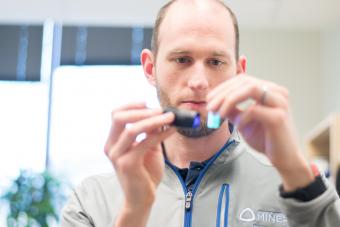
181, 150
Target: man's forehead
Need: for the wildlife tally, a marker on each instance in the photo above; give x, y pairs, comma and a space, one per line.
197, 3
187, 9
203, 18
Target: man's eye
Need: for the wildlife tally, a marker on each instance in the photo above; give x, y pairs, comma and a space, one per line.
216, 62
182, 60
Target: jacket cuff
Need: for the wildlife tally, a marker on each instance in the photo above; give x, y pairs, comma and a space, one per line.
304, 212
308, 193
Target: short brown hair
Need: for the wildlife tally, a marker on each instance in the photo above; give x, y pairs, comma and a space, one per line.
162, 13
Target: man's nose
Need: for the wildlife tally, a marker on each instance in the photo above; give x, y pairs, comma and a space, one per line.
198, 78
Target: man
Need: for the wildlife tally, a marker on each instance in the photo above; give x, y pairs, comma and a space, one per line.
203, 177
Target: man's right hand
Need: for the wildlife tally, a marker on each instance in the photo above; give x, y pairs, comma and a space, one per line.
138, 165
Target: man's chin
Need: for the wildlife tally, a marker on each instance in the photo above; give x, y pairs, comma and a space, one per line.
195, 133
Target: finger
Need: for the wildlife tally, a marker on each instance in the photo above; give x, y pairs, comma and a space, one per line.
231, 87
116, 116
154, 139
266, 116
121, 118
215, 99
233, 115
277, 88
227, 88
223, 86
129, 106
272, 99
128, 136
147, 145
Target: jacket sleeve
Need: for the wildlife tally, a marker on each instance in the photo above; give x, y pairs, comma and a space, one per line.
322, 211
73, 214
95, 202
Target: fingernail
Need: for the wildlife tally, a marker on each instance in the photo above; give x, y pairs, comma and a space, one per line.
168, 114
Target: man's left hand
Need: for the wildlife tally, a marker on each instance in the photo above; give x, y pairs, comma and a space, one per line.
266, 125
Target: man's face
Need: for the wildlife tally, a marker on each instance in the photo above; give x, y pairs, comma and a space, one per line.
196, 53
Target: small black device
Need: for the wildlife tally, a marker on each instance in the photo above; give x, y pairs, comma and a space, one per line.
185, 118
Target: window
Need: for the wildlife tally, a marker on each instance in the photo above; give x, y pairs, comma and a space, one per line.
82, 101
23, 121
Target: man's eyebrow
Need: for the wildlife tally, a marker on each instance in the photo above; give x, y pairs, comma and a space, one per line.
179, 52
220, 54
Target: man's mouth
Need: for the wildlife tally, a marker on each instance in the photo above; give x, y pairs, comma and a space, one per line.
193, 104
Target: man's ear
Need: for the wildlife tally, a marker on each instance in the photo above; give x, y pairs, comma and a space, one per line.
242, 64
147, 60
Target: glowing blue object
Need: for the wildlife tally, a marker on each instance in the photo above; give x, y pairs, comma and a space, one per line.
196, 122
214, 120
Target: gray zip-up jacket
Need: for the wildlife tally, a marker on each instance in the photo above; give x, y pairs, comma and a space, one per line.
235, 189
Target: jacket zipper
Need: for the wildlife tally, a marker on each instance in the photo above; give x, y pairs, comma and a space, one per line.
188, 204
190, 194
188, 198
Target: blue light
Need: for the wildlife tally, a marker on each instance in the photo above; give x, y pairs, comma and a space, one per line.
197, 121
214, 120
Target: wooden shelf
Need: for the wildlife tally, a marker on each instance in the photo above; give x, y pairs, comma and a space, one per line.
323, 142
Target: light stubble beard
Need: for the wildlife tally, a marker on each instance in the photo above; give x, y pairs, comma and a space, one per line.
193, 133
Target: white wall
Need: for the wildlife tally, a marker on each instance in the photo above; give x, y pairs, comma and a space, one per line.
331, 71
292, 59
